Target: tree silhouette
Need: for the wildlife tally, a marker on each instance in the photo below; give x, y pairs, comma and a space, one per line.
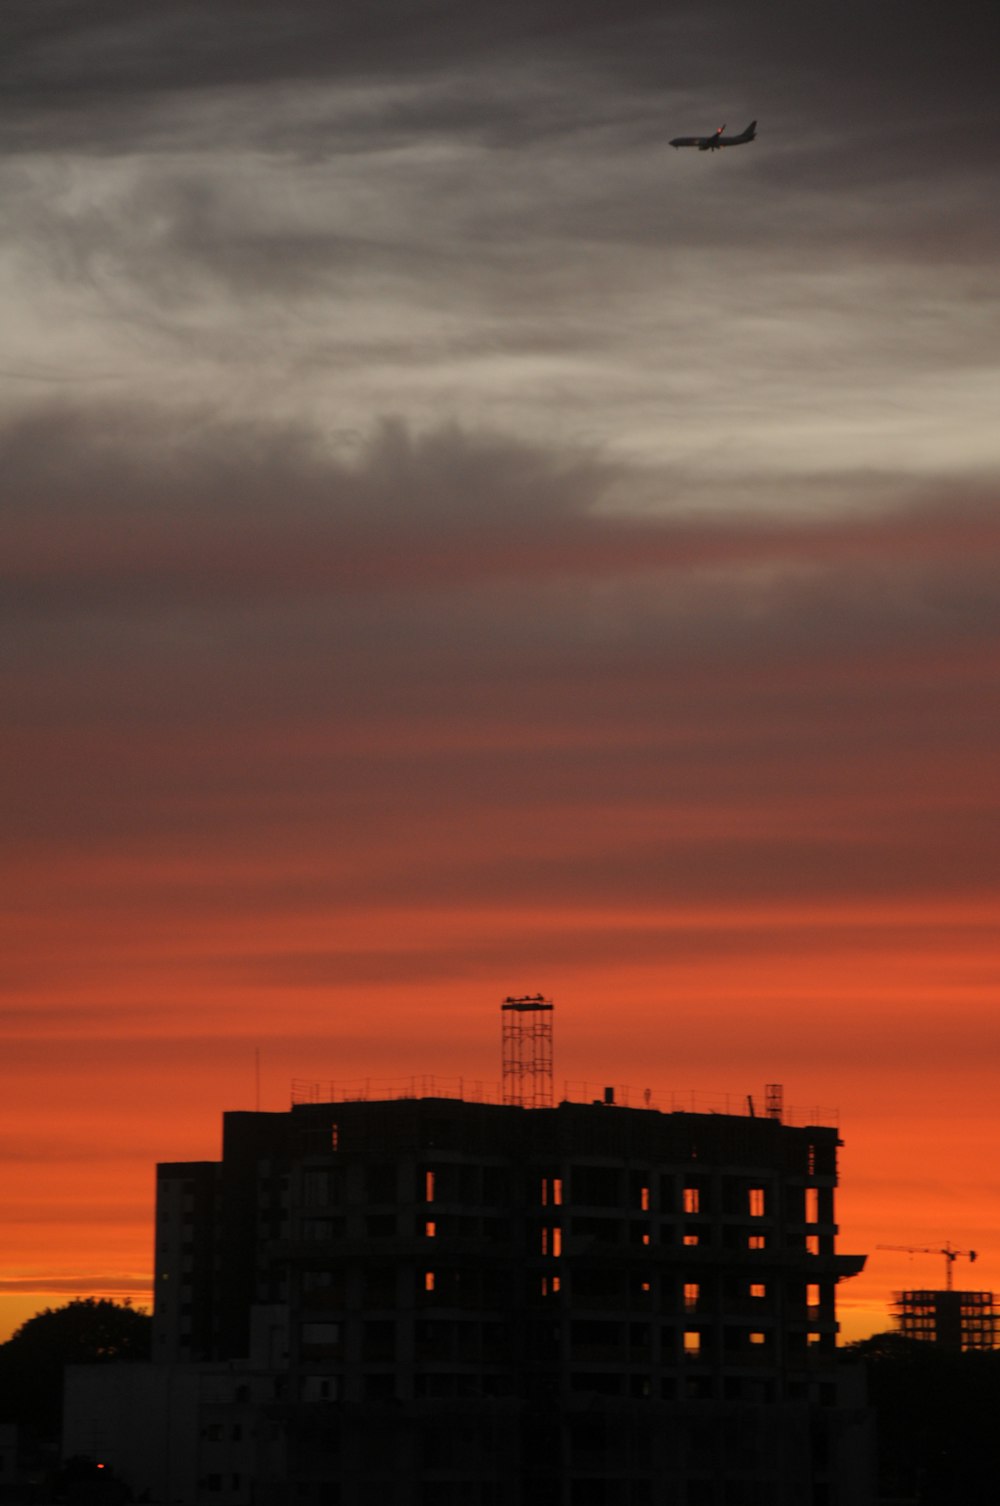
935, 1413
88, 1330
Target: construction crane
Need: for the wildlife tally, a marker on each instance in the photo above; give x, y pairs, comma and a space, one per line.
950, 1256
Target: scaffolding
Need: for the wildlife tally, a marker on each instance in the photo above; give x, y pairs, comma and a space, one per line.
952, 1320
527, 1051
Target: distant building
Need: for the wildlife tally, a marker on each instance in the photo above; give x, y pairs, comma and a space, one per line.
954, 1320
434, 1302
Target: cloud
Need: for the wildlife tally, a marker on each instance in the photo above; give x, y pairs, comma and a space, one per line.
112, 508
255, 678
505, 110
471, 213
76, 1285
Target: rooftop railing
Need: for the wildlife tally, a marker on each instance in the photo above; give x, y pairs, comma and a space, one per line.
615, 1095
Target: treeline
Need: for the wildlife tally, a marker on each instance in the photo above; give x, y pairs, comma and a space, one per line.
936, 1417
89, 1330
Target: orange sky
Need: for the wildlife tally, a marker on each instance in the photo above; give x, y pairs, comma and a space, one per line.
853, 1011
735, 813
455, 545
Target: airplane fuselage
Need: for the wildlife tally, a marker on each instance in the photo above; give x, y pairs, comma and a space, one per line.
713, 142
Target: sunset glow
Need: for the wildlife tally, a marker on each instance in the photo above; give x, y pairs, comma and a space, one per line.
455, 546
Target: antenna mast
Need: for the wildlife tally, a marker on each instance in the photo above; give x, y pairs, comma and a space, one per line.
527, 1051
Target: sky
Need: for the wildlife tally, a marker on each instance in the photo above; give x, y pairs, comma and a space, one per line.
455, 545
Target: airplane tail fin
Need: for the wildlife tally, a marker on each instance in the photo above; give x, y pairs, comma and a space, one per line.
751, 130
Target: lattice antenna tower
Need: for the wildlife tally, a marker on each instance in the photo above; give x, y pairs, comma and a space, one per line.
774, 1100
527, 1051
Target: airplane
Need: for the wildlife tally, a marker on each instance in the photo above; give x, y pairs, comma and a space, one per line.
712, 143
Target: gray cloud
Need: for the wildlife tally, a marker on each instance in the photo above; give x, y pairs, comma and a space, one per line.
458, 211
448, 647
855, 97
129, 498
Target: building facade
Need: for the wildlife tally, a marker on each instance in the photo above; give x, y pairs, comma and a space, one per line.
955, 1320
451, 1302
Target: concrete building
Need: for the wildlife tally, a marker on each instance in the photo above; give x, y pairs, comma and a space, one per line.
955, 1320
435, 1302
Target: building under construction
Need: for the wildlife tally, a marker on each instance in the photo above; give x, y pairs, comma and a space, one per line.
427, 1301
954, 1320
